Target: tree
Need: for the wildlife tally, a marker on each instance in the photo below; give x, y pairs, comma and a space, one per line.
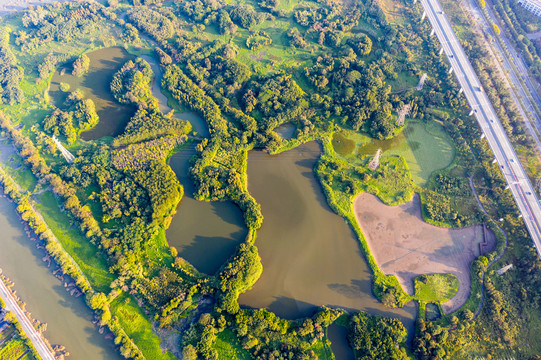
81, 65
496, 29
189, 353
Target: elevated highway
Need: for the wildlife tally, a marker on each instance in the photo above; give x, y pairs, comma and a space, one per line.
515, 176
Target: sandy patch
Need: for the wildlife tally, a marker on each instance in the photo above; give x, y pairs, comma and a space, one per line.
406, 246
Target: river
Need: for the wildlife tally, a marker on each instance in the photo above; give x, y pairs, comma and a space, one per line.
69, 320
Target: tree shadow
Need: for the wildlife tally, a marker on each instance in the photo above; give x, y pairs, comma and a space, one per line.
207, 254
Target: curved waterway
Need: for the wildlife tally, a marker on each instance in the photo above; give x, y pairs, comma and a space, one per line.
205, 233
310, 256
68, 318
198, 124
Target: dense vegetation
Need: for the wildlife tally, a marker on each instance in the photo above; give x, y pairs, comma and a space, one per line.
246, 68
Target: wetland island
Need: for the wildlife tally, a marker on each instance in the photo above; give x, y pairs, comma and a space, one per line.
233, 180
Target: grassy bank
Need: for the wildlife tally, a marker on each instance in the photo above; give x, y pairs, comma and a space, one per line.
74, 242
138, 327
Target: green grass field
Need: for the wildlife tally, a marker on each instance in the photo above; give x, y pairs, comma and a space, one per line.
228, 347
14, 349
19, 172
138, 327
75, 243
425, 147
436, 288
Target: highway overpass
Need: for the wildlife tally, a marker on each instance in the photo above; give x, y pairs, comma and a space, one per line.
515, 176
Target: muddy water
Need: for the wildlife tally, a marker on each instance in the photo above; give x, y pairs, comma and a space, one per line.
204, 233
68, 318
96, 86
310, 255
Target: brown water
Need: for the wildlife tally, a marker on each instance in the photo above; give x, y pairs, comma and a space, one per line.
96, 86
204, 233
310, 255
339, 343
68, 318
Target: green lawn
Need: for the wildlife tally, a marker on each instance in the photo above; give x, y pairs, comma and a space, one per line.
228, 347
436, 288
323, 350
425, 147
138, 327
75, 243
13, 349
19, 172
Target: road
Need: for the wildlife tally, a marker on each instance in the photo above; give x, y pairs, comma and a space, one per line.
515, 176
26, 325
516, 65
513, 81
512, 70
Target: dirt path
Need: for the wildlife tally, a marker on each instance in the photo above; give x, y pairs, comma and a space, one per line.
406, 246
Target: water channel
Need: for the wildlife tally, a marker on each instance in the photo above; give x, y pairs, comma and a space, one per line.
69, 320
204, 233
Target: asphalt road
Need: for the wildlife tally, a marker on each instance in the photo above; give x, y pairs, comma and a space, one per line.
515, 176
26, 325
514, 72
516, 60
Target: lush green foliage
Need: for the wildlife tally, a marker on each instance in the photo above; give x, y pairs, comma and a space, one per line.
375, 337
435, 287
10, 73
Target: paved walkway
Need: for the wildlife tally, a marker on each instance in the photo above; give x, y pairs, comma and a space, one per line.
26, 325
534, 36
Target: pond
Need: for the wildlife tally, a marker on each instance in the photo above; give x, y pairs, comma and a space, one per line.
95, 85
204, 233
310, 256
286, 131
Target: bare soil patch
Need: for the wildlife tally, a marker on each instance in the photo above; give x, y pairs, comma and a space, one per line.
406, 246
259, 56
